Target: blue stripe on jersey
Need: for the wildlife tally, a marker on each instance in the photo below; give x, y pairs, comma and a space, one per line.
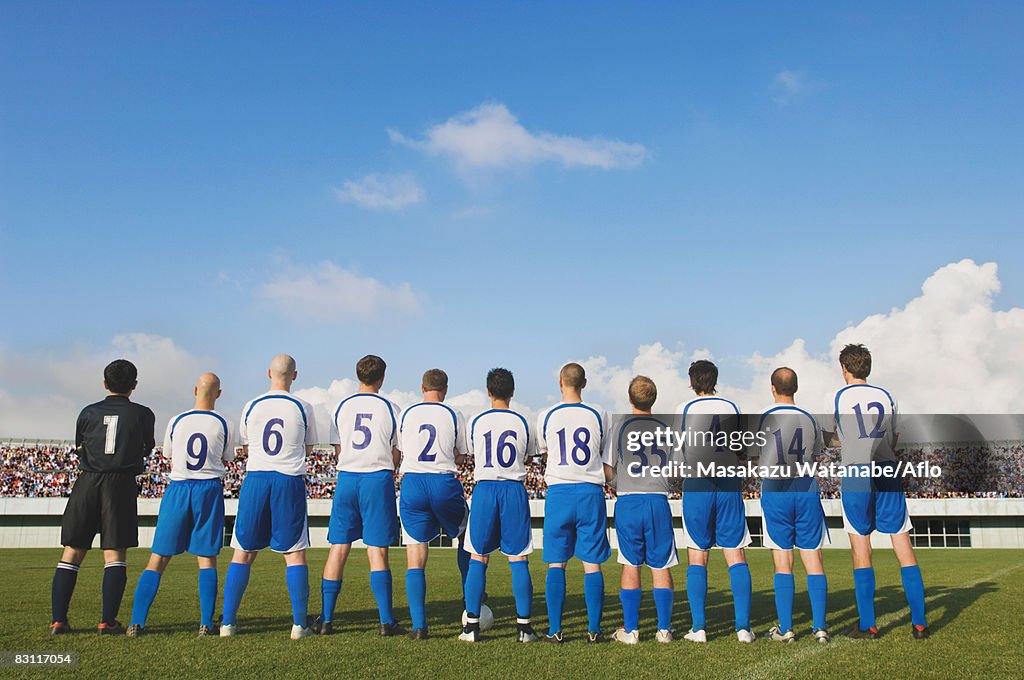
691, 403
892, 402
622, 429
455, 418
394, 422
788, 407
544, 430
472, 425
295, 401
223, 423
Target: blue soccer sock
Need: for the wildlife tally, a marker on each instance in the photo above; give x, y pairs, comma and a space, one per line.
739, 579
913, 586
380, 585
416, 594
145, 592
785, 587
329, 592
663, 600
817, 590
864, 589
630, 599
476, 581
462, 558
697, 593
522, 589
234, 587
297, 578
207, 595
593, 594
554, 594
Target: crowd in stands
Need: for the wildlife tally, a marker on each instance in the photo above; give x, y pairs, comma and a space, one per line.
990, 471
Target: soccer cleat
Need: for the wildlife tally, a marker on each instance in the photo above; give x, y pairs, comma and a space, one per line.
114, 628
228, 630
745, 636
134, 630
778, 636
856, 633
391, 630
554, 638
419, 634
525, 633
663, 635
209, 631
59, 628
470, 632
596, 638
821, 636
299, 632
323, 627
627, 638
696, 636
919, 632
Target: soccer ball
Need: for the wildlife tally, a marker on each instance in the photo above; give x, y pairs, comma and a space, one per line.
486, 617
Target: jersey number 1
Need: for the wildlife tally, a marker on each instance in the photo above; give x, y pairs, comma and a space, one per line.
109, 444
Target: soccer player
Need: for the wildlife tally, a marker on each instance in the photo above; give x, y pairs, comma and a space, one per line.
499, 516
277, 431
713, 512
866, 427
364, 433
199, 444
643, 519
791, 505
113, 438
571, 435
433, 435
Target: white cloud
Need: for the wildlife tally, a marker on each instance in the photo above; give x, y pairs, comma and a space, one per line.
946, 351
391, 192
41, 395
490, 136
326, 292
788, 85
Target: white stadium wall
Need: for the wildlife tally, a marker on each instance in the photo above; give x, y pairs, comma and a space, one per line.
959, 522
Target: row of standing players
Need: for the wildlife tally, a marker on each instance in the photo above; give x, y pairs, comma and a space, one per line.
583, 449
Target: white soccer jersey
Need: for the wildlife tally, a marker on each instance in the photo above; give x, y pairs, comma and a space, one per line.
500, 442
198, 444
866, 421
792, 436
634, 460
430, 434
366, 427
572, 436
703, 420
277, 427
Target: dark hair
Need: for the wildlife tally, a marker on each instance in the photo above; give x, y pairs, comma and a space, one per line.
121, 376
501, 384
573, 376
435, 380
784, 381
642, 392
856, 359
370, 369
703, 376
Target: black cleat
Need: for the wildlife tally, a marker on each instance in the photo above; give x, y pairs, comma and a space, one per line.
919, 632
114, 628
554, 638
209, 631
525, 633
134, 630
596, 638
419, 634
391, 630
323, 627
856, 633
59, 628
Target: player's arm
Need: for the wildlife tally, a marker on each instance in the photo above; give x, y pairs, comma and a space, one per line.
461, 447
607, 447
149, 432
396, 444
542, 445
311, 434
167, 452
229, 446
243, 433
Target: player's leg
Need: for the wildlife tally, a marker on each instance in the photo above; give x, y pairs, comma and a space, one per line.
289, 535
559, 543
78, 528
252, 533
592, 549
629, 532
664, 595
416, 586
346, 525
64, 578
205, 540
476, 580
742, 591
811, 534
913, 584
297, 581
660, 555
785, 588
698, 533
697, 592
817, 591
732, 534
379, 511
145, 592
207, 594
235, 583
863, 583
516, 541
119, 530
330, 585
629, 595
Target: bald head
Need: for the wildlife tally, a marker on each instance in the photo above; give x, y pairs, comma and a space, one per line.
784, 382
207, 391
572, 376
282, 372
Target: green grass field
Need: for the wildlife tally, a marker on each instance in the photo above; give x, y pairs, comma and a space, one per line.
974, 599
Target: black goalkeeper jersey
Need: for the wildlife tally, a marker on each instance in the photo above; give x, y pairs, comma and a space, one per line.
114, 435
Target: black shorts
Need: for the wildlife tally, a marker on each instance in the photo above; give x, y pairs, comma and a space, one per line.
104, 502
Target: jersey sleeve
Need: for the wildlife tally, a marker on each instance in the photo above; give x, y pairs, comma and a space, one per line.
229, 445
607, 439
542, 446
168, 448
80, 429
148, 431
243, 435
461, 437
311, 434
396, 441
333, 435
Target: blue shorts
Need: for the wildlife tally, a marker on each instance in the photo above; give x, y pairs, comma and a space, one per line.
364, 508
877, 504
793, 516
643, 528
271, 512
499, 518
191, 518
713, 513
575, 524
430, 501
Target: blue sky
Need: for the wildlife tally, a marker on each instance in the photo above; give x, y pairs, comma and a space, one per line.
178, 170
